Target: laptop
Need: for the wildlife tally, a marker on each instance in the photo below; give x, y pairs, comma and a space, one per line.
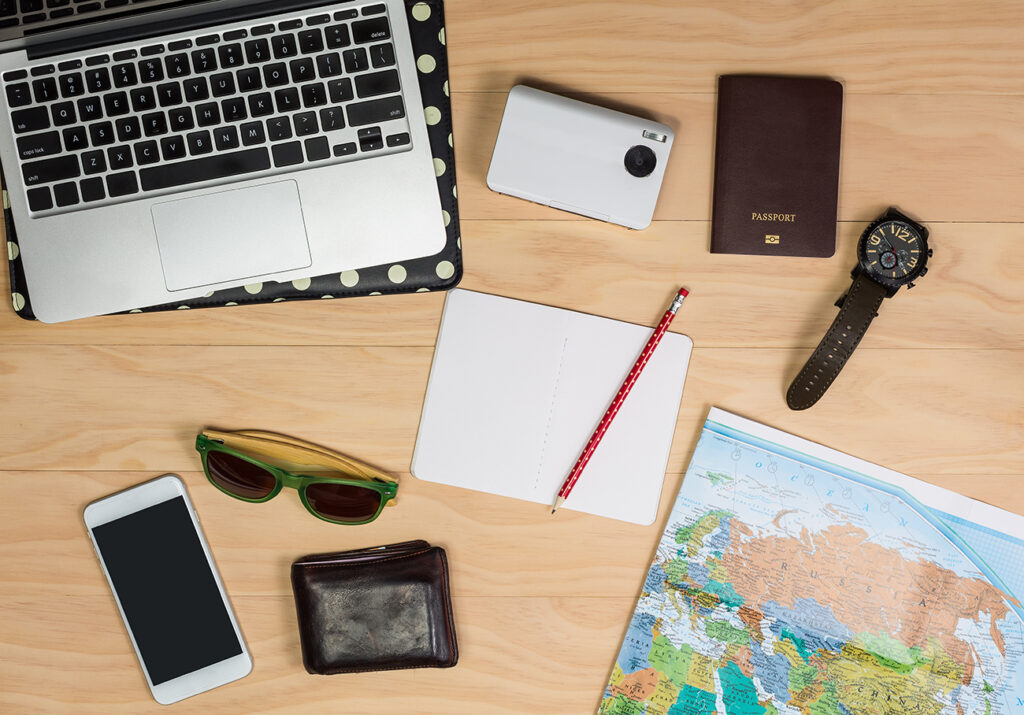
159, 150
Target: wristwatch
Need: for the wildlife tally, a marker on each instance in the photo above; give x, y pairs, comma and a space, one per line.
892, 252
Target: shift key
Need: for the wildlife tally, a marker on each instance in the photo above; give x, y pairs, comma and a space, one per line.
374, 111
49, 170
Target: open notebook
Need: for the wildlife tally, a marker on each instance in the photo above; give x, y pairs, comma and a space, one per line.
516, 390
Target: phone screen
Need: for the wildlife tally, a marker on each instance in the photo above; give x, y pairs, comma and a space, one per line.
168, 593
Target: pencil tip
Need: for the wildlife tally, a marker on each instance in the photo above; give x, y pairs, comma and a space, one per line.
554, 510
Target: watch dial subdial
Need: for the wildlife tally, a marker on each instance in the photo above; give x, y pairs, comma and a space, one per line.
893, 250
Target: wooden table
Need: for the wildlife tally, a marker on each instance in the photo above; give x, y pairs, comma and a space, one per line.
934, 100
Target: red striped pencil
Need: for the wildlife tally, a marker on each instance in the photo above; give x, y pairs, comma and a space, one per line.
613, 409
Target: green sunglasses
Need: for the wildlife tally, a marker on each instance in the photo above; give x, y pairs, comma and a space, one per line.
357, 497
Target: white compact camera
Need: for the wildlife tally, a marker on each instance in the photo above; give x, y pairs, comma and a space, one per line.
577, 157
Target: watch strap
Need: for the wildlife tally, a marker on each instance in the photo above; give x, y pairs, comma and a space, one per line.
857, 309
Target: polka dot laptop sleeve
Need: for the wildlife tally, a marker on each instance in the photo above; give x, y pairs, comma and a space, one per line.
439, 272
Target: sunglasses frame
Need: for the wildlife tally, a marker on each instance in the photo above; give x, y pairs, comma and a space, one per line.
364, 476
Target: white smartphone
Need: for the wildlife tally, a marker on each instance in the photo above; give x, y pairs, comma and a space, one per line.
578, 157
167, 589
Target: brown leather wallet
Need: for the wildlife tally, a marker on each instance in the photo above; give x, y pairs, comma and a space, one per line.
383, 608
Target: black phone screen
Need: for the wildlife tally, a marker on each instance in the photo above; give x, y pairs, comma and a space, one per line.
163, 580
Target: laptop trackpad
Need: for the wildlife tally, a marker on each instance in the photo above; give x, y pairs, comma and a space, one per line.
231, 235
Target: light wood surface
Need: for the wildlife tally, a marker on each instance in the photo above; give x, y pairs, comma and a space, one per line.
934, 96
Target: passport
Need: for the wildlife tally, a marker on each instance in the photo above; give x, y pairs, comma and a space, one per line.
776, 189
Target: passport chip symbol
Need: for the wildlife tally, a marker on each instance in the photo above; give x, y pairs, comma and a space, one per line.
771, 239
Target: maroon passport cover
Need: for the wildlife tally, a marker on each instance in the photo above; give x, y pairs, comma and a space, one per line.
777, 165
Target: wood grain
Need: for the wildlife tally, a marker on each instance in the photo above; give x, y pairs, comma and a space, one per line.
934, 94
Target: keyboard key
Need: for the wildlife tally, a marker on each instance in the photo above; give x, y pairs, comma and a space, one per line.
101, 133
151, 50
328, 65
223, 84
340, 89
373, 30
376, 110
180, 120
119, 157
284, 46
122, 184
177, 65
374, 9
252, 133
234, 109
346, 149
257, 51
261, 105
71, 85
289, 25
40, 199
125, 55
231, 56
146, 153
355, 60
317, 148
275, 75
66, 194
318, 20
63, 114
311, 41
154, 124
225, 138
305, 124
302, 70
125, 75
46, 171
288, 154
45, 89
399, 139
75, 138
169, 94
196, 89
200, 143
18, 95
313, 95
89, 109
173, 147
263, 30
40, 70
211, 168
249, 80
205, 60
143, 99
129, 129
346, 15
151, 71
382, 55
94, 162
97, 79
287, 99
39, 145
93, 190
370, 139
279, 128
337, 36
377, 83
332, 119
30, 120
208, 114
232, 35
116, 104
177, 44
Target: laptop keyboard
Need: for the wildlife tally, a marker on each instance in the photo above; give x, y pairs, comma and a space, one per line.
260, 99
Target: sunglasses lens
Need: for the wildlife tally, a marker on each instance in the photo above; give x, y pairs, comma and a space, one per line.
343, 502
239, 477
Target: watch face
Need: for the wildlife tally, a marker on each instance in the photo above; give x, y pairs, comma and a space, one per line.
893, 252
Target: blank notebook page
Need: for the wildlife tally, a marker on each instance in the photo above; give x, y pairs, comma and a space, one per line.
516, 390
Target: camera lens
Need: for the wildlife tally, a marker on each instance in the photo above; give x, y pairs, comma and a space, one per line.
641, 161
